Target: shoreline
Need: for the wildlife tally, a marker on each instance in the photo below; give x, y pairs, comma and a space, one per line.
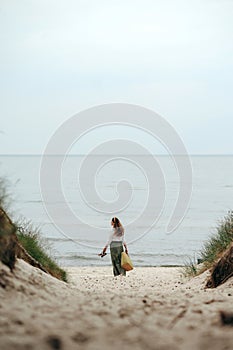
110, 265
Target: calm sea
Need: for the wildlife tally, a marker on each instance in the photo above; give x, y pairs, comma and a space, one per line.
212, 198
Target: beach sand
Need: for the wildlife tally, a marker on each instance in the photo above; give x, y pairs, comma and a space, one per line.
151, 308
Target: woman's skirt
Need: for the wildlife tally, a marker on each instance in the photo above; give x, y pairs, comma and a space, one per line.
116, 248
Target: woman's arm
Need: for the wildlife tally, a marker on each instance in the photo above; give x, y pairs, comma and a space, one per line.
107, 244
104, 249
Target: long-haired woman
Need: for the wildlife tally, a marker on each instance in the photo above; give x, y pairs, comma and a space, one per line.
116, 242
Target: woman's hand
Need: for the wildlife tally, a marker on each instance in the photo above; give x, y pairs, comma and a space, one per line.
103, 253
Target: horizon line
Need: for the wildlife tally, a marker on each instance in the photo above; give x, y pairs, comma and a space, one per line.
128, 154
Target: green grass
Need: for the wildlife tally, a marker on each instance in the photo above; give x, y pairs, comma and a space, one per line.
214, 247
38, 247
219, 242
4, 193
30, 237
190, 269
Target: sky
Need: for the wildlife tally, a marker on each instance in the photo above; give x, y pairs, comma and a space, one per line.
61, 57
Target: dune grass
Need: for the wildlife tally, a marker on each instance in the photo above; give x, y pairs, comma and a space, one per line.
190, 268
30, 238
214, 247
4, 193
219, 242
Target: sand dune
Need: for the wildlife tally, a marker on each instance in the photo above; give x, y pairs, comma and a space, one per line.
152, 308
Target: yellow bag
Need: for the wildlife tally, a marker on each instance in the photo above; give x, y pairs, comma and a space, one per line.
126, 262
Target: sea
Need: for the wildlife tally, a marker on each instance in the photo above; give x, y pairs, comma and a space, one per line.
73, 211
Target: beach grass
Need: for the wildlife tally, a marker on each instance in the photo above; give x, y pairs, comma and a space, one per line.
190, 268
219, 242
39, 248
30, 238
214, 247
4, 193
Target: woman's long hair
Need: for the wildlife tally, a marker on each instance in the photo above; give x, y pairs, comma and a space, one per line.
119, 229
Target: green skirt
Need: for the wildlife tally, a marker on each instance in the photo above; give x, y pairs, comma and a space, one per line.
116, 248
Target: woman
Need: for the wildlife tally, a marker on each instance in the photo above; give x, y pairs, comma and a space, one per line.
116, 241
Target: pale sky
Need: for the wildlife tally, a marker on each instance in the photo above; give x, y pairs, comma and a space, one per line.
59, 57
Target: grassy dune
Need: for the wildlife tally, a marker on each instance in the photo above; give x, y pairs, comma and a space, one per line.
14, 236
214, 247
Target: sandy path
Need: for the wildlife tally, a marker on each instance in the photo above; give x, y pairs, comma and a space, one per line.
152, 308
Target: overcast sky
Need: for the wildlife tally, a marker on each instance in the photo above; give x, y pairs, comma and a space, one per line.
60, 57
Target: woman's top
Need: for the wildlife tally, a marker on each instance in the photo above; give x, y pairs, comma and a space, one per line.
114, 236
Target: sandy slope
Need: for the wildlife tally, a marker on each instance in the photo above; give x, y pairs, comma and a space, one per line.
152, 308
